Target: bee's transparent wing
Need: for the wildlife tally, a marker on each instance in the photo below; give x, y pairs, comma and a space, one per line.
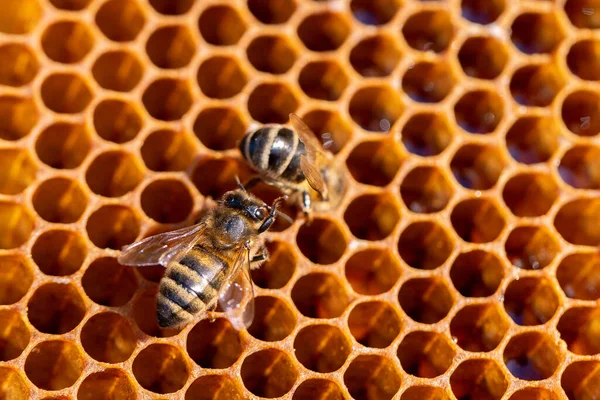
162, 248
237, 297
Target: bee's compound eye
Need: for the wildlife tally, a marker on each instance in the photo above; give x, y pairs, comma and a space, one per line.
260, 213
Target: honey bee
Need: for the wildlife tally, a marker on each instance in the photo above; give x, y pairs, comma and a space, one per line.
295, 162
209, 262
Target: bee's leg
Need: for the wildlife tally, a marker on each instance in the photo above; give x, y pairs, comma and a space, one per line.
305, 203
211, 312
259, 258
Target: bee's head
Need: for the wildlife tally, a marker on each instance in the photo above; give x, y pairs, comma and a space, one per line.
258, 212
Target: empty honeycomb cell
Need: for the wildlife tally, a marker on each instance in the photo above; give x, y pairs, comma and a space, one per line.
17, 224
323, 80
578, 327
59, 252
19, 170
375, 56
479, 111
375, 162
120, 21
170, 7
481, 11
372, 216
575, 221
273, 319
375, 108
269, 373
268, 194
478, 166
67, 41
322, 348
477, 220
272, 11
168, 150
426, 300
108, 337
117, 121
531, 247
167, 99
221, 25
372, 376
221, 77
532, 139
429, 30
113, 173
161, 368
276, 272
16, 277
530, 301
56, 308
14, 336
579, 276
213, 387
317, 388
66, 93
579, 167
424, 392
20, 17
428, 82
108, 283
218, 128
60, 200
479, 327
375, 12
272, 103
533, 394
320, 295
70, 5
322, 241
483, 57
113, 226
477, 273
580, 380
111, 383
426, 190
478, 379
580, 112
54, 364
12, 385
20, 66
273, 54
532, 356
167, 201
426, 134
171, 46
374, 324
536, 32
583, 59
425, 354
117, 70
214, 344
331, 129
63, 145
425, 245
372, 271
221, 177
530, 194
536, 85
323, 31
18, 116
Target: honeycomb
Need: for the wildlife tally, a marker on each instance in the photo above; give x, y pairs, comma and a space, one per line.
462, 264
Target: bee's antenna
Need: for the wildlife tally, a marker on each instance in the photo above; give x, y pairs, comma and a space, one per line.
239, 183
284, 216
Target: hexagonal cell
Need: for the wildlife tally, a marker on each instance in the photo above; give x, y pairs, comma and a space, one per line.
59, 252
120, 21
20, 17
218, 128
66, 93
273, 319
477, 273
16, 277
482, 57
108, 337
424, 392
170, 7
536, 85
372, 377
375, 108
63, 145
426, 134
17, 224
533, 393
12, 385
372, 271
56, 308
533, 139
167, 99
375, 12
533, 32
581, 379
213, 387
70, 5
279, 268
19, 170
108, 283
531, 247
323, 80
14, 336
330, 128
425, 354
426, 300
428, 81
482, 11
113, 173
530, 194
272, 103
54, 364
579, 276
117, 121
222, 177
425, 245
322, 348
221, 77
478, 166
161, 368
168, 150
221, 25
375, 162
18, 116
268, 373
579, 167
67, 41
479, 327
479, 111
530, 301
372, 216
113, 226
426, 190
109, 383
322, 241
273, 54
167, 201
214, 344
320, 295
478, 378
575, 221
60, 200
324, 31
171, 46
583, 59
429, 30
582, 13
580, 113
317, 388
578, 327
272, 11
477, 220
374, 324
375, 56
20, 67
532, 356
118, 70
